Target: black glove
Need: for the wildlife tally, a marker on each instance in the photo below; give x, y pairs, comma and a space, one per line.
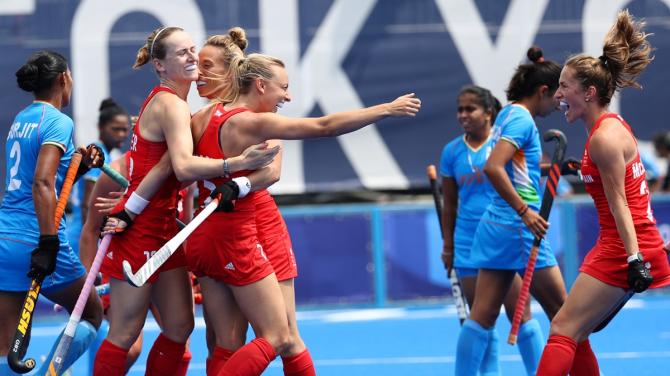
227, 193
83, 167
120, 215
43, 259
571, 166
639, 276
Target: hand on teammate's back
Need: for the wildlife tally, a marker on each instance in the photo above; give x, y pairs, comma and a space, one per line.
405, 105
104, 205
227, 193
43, 259
639, 275
258, 156
537, 225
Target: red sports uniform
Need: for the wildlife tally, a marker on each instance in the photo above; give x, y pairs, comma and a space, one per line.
274, 237
607, 259
156, 224
226, 245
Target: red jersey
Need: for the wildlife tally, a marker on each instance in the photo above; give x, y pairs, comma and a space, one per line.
209, 147
607, 260
226, 245
156, 224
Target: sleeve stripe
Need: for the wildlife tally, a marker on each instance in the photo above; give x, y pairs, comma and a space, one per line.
56, 144
511, 141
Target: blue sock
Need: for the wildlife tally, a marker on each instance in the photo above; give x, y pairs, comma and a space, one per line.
83, 336
491, 364
531, 343
95, 345
4, 368
472, 342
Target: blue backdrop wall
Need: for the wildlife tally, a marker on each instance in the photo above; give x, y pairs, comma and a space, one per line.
340, 54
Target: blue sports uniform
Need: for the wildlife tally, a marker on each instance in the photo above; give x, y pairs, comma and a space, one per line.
502, 240
38, 124
75, 221
466, 166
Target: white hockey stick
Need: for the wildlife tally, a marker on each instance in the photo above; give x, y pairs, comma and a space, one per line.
158, 259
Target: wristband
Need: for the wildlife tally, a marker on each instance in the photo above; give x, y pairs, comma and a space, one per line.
226, 169
634, 257
136, 203
244, 184
523, 210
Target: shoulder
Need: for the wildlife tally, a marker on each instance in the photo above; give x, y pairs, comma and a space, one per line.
168, 102
606, 144
203, 114
453, 145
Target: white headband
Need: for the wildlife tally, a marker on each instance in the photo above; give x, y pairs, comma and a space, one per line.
151, 50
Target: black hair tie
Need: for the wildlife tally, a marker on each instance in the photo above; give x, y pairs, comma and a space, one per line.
604, 60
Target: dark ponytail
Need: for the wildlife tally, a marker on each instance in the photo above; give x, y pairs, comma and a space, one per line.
529, 77
38, 74
109, 109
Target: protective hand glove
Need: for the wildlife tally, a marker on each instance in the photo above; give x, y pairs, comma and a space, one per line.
227, 193
116, 222
639, 275
571, 166
43, 259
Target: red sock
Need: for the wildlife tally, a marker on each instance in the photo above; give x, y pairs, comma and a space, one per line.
218, 359
250, 359
299, 365
110, 360
183, 364
164, 357
585, 362
557, 356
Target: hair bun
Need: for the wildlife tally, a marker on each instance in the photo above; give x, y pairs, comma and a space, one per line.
535, 54
27, 77
107, 103
239, 37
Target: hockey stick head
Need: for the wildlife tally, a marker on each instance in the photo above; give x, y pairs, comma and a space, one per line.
559, 137
130, 276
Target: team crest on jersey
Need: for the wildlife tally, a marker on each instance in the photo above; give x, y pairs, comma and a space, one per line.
110, 255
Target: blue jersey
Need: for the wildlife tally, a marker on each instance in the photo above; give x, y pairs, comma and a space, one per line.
514, 124
38, 124
466, 166
75, 221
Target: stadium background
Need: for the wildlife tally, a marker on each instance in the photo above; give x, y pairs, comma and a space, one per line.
343, 54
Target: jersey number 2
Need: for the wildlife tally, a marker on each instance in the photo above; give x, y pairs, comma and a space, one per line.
14, 184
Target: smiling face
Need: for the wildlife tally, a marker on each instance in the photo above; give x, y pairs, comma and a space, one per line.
571, 95
213, 76
274, 91
181, 60
472, 116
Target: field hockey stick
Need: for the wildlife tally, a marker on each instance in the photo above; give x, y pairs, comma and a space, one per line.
56, 362
115, 175
18, 346
624, 300
545, 210
101, 290
151, 266
456, 291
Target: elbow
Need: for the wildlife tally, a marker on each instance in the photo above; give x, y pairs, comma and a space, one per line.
183, 175
42, 186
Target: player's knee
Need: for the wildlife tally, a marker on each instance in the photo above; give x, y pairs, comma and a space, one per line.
280, 341
180, 331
